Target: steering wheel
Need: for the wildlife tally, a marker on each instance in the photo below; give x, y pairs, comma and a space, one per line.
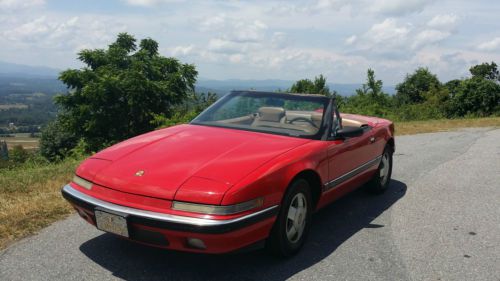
303, 119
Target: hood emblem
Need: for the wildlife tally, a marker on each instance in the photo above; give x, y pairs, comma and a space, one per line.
139, 173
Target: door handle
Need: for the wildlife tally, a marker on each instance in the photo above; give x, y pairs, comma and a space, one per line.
372, 139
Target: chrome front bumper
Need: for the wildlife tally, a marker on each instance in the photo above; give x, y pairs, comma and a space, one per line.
167, 221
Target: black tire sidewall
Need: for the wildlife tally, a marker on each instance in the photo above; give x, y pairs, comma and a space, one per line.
375, 185
389, 174
278, 242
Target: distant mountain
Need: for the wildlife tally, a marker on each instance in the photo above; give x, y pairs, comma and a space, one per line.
222, 87
11, 73
15, 84
20, 70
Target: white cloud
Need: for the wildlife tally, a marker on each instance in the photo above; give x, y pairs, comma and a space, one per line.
29, 31
392, 34
307, 8
236, 58
429, 36
13, 5
399, 7
141, 2
71, 34
327, 5
234, 29
149, 3
216, 22
351, 39
392, 41
388, 31
218, 45
235, 38
274, 39
182, 51
492, 45
443, 21
247, 31
279, 40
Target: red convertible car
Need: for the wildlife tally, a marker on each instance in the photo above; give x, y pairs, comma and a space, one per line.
251, 169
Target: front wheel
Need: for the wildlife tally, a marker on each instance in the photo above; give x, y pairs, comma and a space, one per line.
292, 224
380, 181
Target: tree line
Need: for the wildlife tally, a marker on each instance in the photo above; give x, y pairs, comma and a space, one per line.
420, 96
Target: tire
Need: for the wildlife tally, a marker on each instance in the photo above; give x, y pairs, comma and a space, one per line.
380, 181
289, 234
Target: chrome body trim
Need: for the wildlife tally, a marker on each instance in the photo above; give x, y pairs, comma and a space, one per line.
336, 182
198, 222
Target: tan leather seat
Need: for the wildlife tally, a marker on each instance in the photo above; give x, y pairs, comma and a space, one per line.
269, 116
316, 118
276, 117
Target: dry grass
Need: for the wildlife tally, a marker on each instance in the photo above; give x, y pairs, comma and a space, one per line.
23, 139
30, 198
418, 127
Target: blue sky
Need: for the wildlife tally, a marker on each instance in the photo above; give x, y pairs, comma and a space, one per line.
264, 39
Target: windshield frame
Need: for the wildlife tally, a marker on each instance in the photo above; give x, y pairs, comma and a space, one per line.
324, 100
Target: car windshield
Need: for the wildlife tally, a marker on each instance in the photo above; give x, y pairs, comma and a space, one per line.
276, 113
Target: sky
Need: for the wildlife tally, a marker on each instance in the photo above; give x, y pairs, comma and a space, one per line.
264, 39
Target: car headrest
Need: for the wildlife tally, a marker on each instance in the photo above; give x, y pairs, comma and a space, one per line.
272, 114
316, 116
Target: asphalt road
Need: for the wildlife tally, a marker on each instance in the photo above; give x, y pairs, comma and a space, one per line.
439, 220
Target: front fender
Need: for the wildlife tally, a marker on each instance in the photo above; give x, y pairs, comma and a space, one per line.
272, 179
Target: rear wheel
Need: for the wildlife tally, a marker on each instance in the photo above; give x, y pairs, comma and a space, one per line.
380, 181
292, 225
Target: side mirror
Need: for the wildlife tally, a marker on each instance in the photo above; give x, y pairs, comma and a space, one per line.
349, 132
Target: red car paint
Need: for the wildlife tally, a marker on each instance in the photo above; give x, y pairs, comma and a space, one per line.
221, 166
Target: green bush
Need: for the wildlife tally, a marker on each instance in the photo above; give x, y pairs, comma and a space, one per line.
422, 97
56, 142
18, 154
475, 97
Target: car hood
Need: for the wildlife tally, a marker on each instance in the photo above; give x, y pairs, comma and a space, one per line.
191, 158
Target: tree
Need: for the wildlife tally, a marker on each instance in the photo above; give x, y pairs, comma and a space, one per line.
476, 96
56, 142
190, 108
373, 87
369, 99
121, 90
412, 89
485, 71
453, 86
306, 86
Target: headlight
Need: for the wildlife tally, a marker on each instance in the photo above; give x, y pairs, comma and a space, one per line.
82, 182
216, 209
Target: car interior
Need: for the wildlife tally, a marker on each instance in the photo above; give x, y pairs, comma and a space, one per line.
297, 120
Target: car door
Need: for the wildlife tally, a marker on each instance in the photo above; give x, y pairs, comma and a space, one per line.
345, 161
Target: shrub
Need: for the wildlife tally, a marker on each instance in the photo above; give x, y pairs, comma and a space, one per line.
18, 154
56, 142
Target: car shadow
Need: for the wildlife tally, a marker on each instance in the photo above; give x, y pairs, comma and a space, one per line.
331, 227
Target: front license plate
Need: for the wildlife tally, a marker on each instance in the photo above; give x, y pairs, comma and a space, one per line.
111, 223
